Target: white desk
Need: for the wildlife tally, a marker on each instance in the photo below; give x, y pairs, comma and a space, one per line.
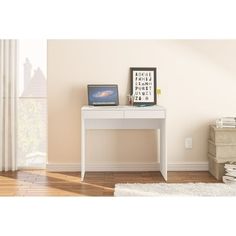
124, 117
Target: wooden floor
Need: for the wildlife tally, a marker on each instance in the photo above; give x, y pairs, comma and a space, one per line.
43, 183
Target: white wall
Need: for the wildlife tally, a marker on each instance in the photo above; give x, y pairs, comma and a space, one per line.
198, 82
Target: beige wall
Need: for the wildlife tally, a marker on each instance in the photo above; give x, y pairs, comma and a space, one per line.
198, 82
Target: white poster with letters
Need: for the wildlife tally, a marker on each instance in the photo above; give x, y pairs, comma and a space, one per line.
143, 86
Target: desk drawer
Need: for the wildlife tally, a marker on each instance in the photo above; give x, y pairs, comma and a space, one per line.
144, 114
103, 114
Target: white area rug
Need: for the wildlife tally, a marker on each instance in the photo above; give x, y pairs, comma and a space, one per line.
165, 189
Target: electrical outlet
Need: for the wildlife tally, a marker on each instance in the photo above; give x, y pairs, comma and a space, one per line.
188, 143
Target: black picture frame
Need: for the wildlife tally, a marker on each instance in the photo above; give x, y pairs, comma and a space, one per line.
143, 85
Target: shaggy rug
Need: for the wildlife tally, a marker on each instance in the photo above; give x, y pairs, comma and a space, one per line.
165, 189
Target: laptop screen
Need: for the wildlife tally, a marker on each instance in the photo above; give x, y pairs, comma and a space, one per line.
103, 94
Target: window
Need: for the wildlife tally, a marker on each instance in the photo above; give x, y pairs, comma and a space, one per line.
32, 104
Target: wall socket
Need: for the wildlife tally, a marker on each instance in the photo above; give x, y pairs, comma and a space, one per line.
188, 143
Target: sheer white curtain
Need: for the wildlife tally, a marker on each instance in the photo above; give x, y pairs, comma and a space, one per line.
8, 102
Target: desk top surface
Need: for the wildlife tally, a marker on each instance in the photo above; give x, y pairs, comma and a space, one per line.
122, 108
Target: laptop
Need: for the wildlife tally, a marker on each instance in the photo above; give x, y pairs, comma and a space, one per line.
103, 95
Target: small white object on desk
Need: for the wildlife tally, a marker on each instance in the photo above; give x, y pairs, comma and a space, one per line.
124, 117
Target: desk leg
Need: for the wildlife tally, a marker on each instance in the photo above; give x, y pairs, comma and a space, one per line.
163, 151
158, 145
83, 147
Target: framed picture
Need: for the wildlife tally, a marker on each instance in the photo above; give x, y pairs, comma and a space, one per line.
143, 85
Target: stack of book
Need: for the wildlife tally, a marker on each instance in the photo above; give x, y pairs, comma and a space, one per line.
226, 122
230, 173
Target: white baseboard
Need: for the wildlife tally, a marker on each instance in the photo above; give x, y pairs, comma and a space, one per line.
150, 166
188, 166
63, 167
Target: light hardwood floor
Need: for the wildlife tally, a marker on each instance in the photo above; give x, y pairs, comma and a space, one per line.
43, 183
